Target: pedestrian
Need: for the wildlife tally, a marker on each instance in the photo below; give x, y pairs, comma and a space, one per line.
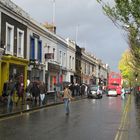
35, 91
71, 87
42, 89
20, 92
5, 92
20, 89
82, 90
123, 93
67, 97
10, 90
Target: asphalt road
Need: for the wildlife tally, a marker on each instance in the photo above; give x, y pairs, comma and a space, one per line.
89, 120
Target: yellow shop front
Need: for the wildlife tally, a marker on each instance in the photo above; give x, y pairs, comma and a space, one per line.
10, 68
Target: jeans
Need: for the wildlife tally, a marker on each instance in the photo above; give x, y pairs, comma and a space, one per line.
66, 103
9, 104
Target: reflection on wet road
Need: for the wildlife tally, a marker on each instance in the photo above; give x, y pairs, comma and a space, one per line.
89, 120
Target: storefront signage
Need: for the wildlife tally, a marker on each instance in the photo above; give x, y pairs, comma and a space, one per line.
53, 67
49, 55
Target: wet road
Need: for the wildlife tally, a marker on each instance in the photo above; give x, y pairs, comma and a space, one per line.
89, 120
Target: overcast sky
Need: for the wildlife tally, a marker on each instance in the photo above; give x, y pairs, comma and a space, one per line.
85, 18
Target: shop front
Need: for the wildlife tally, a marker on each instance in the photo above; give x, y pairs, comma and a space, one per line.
12, 68
36, 71
53, 76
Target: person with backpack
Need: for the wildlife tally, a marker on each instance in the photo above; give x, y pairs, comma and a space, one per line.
67, 97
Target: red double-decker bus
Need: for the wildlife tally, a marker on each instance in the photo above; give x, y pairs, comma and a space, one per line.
115, 82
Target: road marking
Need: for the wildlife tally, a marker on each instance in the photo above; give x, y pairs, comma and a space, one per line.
123, 120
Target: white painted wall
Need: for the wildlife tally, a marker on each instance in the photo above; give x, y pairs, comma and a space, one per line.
70, 59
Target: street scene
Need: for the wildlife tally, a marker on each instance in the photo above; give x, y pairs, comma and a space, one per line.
69, 70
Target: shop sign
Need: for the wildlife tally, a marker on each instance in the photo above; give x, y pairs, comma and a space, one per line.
53, 67
49, 55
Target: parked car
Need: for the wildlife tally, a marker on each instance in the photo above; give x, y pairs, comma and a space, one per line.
112, 92
94, 92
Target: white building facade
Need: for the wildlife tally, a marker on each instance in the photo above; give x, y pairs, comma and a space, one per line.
70, 61
88, 65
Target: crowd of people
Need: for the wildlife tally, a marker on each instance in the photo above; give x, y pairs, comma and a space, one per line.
14, 90
78, 90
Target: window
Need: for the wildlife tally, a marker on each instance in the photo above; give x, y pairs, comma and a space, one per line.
77, 67
60, 57
115, 76
39, 56
9, 32
64, 59
88, 69
115, 84
32, 48
20, 43
93, 69
48, 49
70, 62
54, 53
9, 39
85, 69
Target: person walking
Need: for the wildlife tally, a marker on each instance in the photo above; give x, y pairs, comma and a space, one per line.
123, 93
5, 92
35, 91
82, 90
43, 91
10, 90
20, 91
67, 97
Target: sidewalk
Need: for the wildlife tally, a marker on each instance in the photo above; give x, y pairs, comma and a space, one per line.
13, 109
129, 128
134, 118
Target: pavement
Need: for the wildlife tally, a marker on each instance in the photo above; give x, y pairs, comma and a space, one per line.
7, 110
129, 128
